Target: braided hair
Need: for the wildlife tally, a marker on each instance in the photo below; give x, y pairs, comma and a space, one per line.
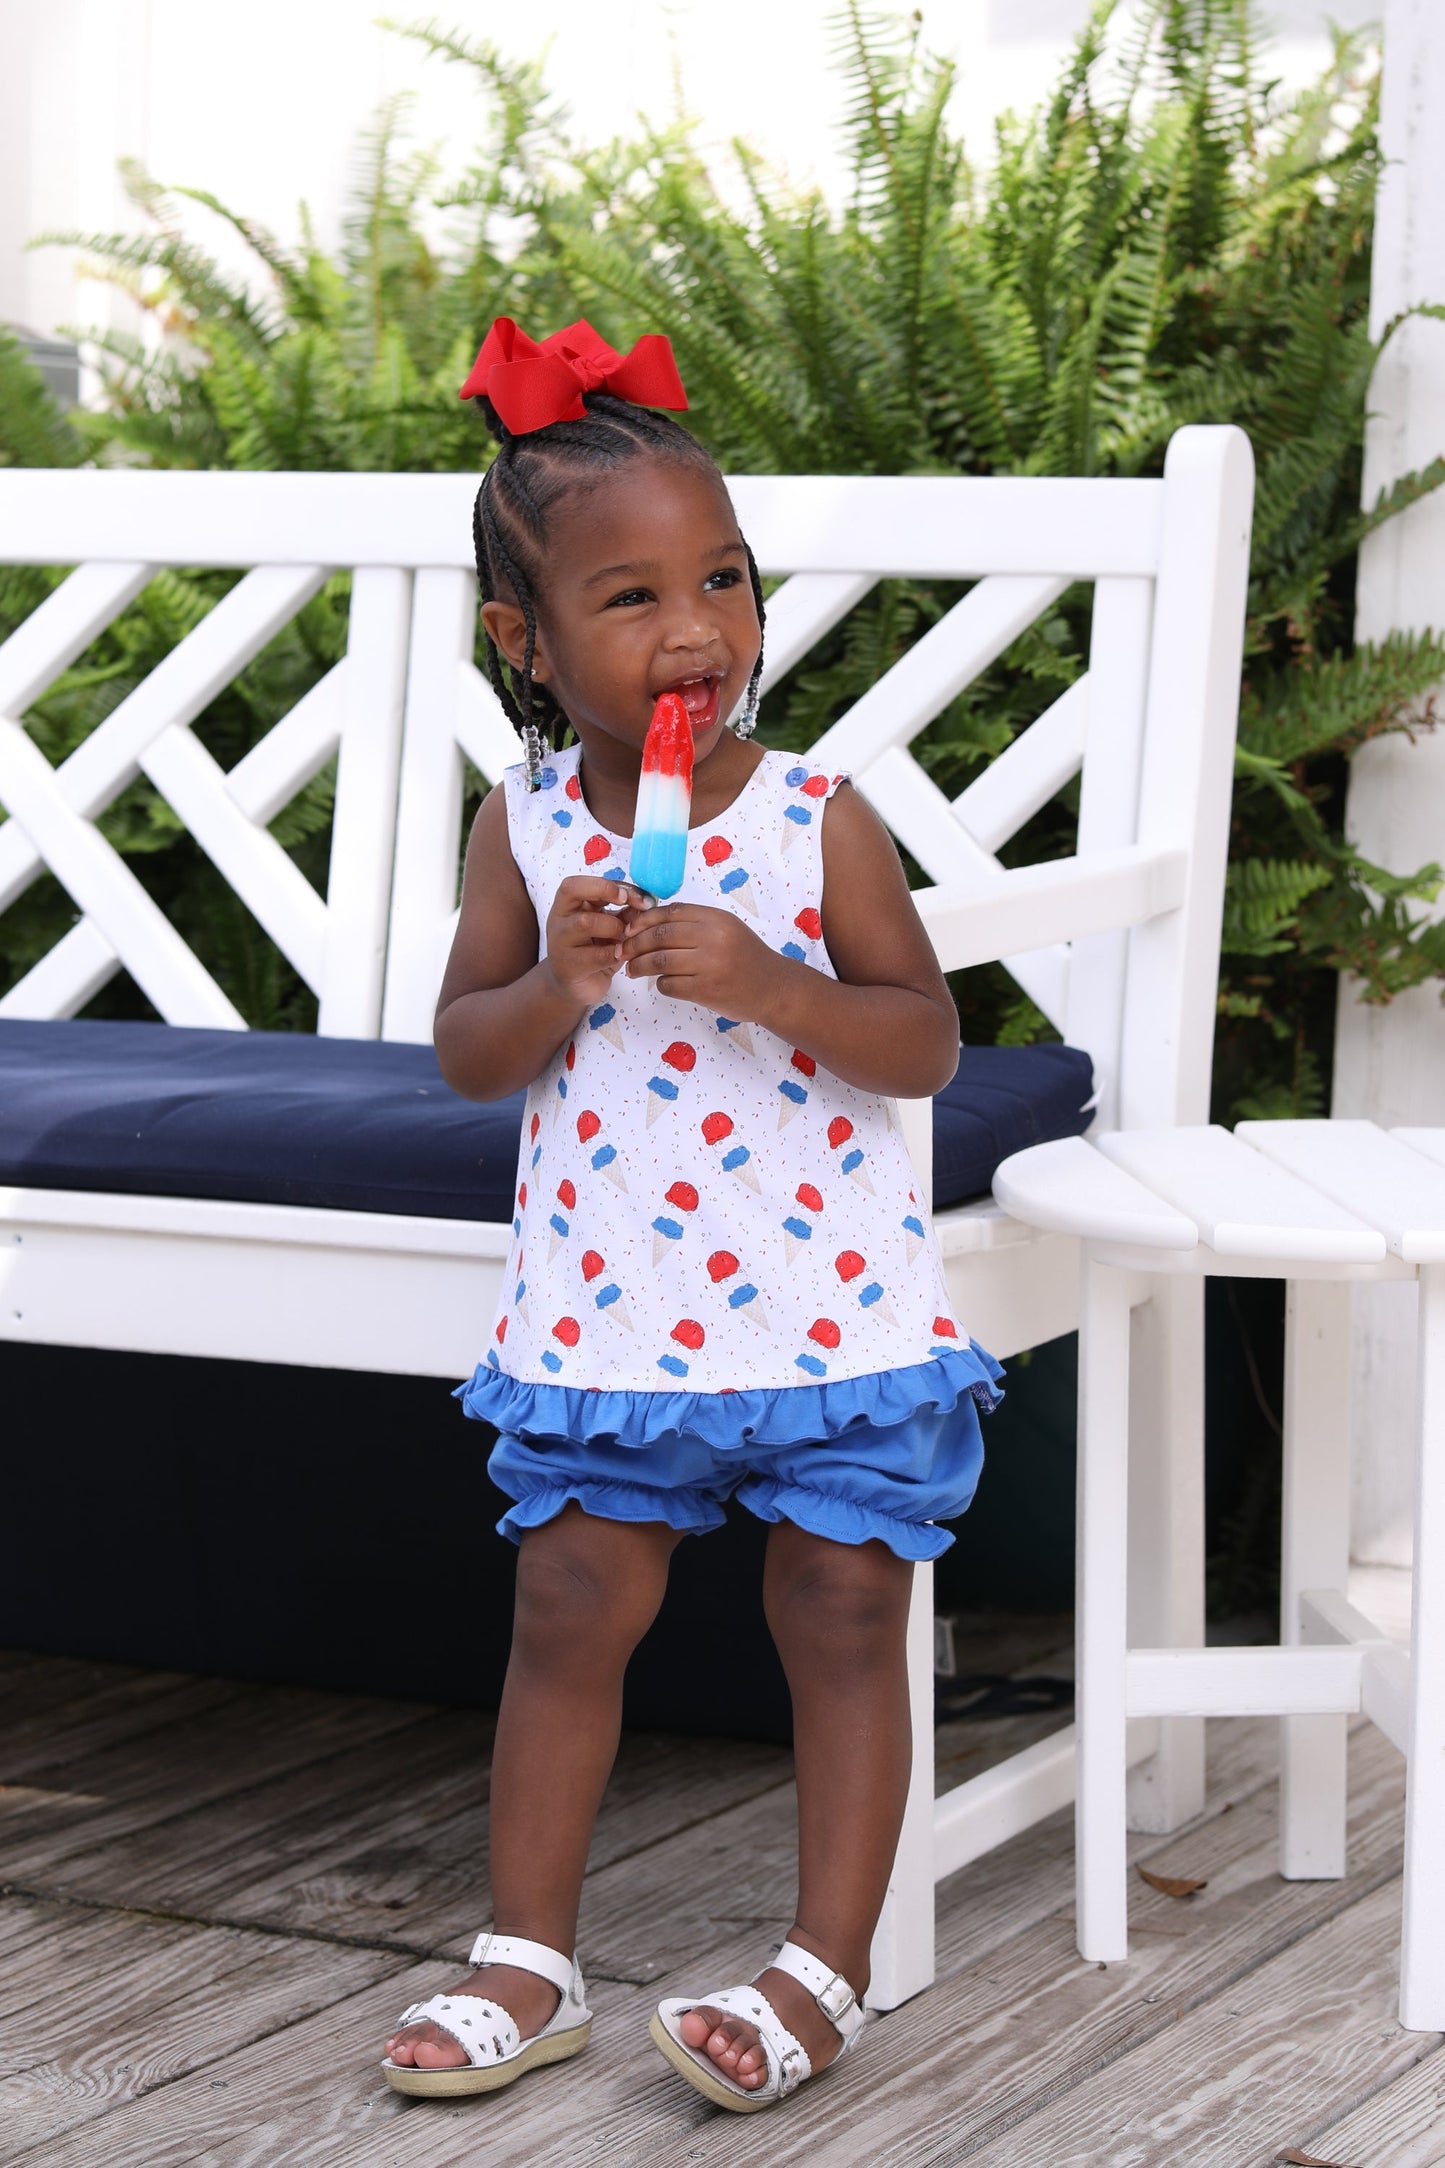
509, 530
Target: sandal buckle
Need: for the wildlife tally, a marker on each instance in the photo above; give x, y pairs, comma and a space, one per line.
836, 1999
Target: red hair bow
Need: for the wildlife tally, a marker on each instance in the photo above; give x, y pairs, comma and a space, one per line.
531, 386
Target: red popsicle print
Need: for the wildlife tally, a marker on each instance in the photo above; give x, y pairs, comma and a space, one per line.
824, 1331
536, 1125
567, 1330
804, 1062
684, 1196
809, 1198
815, 787
721, 1265
587, 1126
715, 1127
522, 1196
573, 788
688, 1333
595, 849
716, 850
571, 1053
592, 1264
945, 1328
501, 1328
848, 1265
679, 1055
810, 923
567, 1195
840, 1129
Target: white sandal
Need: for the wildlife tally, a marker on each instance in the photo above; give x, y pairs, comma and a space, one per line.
788, 2064
496, 2052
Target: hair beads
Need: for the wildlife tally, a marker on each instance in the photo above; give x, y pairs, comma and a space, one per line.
510, 523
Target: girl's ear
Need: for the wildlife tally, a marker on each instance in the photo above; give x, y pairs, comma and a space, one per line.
507, 630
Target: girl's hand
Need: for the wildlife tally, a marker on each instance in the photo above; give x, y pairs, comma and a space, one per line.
696, 953
584, 941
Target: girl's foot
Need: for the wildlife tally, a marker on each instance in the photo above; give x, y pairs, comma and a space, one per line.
733, 2044
529, 2001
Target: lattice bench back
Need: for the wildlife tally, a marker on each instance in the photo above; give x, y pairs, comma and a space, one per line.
1118, 944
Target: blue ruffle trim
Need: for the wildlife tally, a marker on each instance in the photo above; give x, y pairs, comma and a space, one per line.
729, 1422
842, 1520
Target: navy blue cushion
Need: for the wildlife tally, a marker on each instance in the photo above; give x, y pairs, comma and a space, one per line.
277, 1117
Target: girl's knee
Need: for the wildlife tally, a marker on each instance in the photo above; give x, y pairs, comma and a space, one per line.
588, 1585
837, 1597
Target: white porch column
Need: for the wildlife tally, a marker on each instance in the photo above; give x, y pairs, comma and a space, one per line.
1390, 1062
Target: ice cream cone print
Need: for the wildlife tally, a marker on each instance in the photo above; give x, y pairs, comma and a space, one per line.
809, 925
661, 1093
605, 1021
736, 1034
519, 1304
795, 819
680, 1057
689, 1334
610, 1303
876, 1303
795, 1233
739, 1161
748, 1303
669, 1231
913, 1236
855, 1170
794, 1092
794, 1098
738, 888
560, 1230
604, 1162
557, 826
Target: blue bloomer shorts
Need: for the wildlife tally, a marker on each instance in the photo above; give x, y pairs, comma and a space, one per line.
892, 1483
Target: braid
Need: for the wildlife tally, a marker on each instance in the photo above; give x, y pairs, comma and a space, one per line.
510, 522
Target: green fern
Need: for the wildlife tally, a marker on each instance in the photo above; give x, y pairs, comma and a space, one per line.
1168, 239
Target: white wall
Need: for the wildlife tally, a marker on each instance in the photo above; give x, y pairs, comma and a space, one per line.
1390, 1061
261, 104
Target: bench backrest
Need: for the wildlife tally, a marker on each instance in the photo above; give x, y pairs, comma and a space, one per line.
1118, 945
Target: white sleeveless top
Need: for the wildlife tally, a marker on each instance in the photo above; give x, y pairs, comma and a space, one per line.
700, 1207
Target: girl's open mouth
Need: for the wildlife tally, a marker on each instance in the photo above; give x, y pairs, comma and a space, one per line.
700, 696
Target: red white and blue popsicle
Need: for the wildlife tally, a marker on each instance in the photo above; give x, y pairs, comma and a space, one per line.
664, 801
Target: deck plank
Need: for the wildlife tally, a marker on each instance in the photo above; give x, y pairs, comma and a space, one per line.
1314, 2025
159, 2001
1402, 2125
92, 1799
387, 1842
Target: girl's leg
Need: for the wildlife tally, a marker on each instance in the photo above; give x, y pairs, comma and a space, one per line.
587, 1591
839, 1615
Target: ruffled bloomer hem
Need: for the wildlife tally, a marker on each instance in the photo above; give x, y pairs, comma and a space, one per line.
830, 1467
733, 1422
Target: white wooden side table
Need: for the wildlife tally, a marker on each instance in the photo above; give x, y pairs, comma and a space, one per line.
1320, 1205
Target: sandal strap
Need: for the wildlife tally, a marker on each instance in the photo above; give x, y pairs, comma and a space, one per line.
482, 2029
787, 2058
564, 1973
829, 1990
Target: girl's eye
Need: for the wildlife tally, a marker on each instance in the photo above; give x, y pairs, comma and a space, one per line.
629, 597
727, 577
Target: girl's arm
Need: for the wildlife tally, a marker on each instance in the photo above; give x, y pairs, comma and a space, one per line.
886, 1024
502, 1014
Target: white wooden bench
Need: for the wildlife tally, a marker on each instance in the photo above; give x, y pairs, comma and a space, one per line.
1118, 944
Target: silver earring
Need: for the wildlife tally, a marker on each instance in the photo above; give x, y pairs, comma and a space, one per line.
532, 750
747, 722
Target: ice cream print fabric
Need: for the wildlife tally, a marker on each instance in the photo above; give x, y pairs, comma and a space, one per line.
699, 1207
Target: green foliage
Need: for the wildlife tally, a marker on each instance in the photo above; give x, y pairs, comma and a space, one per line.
1166, 240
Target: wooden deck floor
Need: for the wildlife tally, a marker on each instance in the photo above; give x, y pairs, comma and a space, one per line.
214, 1899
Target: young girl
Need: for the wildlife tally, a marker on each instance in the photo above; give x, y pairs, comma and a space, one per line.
722, 1283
